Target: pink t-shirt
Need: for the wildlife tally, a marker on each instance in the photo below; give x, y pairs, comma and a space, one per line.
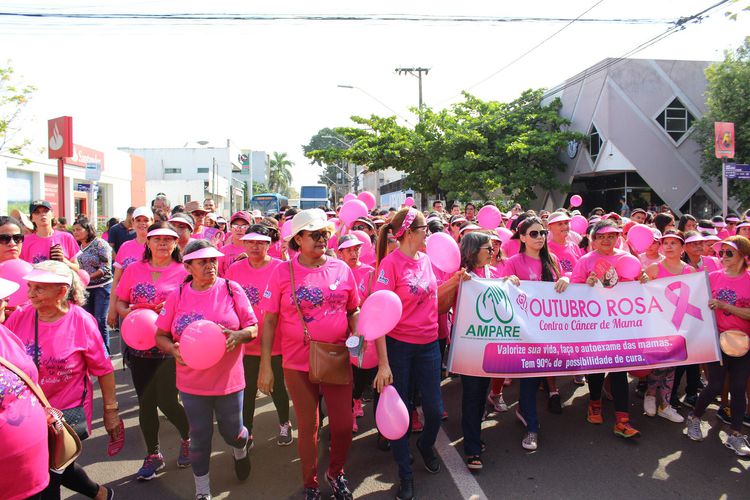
365, 280
709, 264
663, 272
275, 250
567, 255
70, 349
511, 247
253, 282
130, 251
214, 304
733, 290
325, 296
415, 284
483, 272
36, 248
24, 458
524, 267
444, 321
230, 251
602, 265
647, 261
211, 234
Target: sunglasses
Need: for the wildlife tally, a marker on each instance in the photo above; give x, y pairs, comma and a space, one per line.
536, 234
489, 249
728, 253
360, 227
5, 239
318, 235
238, 226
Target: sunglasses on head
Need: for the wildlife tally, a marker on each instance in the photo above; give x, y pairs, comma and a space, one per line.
537, 234
5, 239
318, 235
728, 253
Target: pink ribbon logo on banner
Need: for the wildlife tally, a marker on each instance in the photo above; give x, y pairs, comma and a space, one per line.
681, 302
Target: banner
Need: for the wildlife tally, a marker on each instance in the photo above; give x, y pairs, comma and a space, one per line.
501, 330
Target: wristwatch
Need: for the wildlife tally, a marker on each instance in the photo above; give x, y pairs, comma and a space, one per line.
111, 407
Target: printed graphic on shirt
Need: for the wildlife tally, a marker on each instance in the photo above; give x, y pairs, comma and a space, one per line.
312, 298
566, 265
13, 390
143, 292
381, 277
253, 294
606, 273
183, 320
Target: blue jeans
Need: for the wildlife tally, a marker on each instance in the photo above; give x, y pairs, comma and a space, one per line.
422, 362
200, 413
527, 402
97, 305
473, 402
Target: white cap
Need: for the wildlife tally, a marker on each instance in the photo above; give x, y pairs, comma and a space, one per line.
311, 219
143, 212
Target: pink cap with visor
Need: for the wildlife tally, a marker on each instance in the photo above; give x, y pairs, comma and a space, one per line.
203, 253
256, 237
162, 231
717, 246
608, 229
44, 276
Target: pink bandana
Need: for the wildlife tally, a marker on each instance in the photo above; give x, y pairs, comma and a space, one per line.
410, 216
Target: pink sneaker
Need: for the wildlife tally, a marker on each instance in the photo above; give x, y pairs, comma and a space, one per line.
357, 409
355, 427
416, 424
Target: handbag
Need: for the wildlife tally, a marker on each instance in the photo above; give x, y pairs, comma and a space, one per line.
63, 442
329, 363
734, 343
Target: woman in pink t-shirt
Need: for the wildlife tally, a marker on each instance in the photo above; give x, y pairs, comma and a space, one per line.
46, 242
730, 291
252, 275
64, 342
11, 242
234, 247
326, 292
661, 380
146, 284
219, 389
409, 355
693, 248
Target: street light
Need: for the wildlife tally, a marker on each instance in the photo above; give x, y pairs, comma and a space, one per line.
375, 99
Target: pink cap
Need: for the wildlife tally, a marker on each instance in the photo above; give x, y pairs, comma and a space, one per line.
348, 241
44, 276
470, 227
494, 237
557, 217
711, 237
672, 235
717, 246
608, 229
242, 215
256, 237
203, 253
732, 218
162, 231
744, 223
694, 238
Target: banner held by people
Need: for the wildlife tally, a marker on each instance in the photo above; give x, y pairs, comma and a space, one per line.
505, 331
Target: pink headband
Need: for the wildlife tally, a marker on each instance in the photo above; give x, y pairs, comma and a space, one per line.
694, 238
410, 216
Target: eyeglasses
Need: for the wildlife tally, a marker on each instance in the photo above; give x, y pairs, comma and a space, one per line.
318, 235
5, 239
536, 234
359, 227
489, 249
238, 226
728, 253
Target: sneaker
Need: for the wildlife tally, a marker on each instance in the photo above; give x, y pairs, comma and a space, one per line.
357, 409
497, 403
430, 458
242, 465
203, 496
530, 441
579, 379
285, 435
183, 459
724, 414
355, 427
111, 493
649, 405
151, 465
474, 463
625, 430
676, 404
670, 414
520, 417
405, 490
595, 413
554, 405
339, 487
738, 443
416, 423
382, 443
690, 400
312, 493
694, 430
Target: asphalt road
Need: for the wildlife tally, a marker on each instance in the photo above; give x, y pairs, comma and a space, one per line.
575, 459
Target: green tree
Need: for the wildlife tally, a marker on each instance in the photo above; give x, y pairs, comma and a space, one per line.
332, 175
279, 176
727, 100
14, 96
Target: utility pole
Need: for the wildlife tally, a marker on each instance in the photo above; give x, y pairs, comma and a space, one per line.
415, 72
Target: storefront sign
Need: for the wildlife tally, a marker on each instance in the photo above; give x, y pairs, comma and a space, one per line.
60, 137
505, 331
82, 156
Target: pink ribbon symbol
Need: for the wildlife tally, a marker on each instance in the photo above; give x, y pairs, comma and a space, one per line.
681, 302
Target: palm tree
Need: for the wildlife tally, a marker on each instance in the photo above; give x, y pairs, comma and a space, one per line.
279, 176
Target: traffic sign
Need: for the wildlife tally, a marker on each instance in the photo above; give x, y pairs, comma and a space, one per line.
737, 171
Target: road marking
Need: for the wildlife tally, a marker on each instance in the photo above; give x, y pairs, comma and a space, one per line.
463, 479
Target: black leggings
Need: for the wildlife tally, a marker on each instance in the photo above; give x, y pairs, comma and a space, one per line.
362, 377
279, 395
693, 376
738, 370
74, 478
618, 382
155, 385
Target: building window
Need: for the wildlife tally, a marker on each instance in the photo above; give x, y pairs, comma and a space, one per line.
675, 119
595, 142
202, 170
172, 170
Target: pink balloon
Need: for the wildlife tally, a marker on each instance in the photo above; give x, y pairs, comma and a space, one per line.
14, 270
576, 200
85, 277
489, 217
351, 211
579, 224
380, 313
368, 199
443, 252
202, 344
286, 229
640, 237
409, 202
335, 222
369, 358
504, 233
391, 416
349, 197
628, 267
365, 239
139, 329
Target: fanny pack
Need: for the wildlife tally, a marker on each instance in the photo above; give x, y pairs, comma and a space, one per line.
734, 343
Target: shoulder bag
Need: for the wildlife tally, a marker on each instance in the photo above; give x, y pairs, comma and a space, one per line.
734, 343
329, 363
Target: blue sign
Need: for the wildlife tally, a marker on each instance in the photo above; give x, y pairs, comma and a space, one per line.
83, 187
737, 171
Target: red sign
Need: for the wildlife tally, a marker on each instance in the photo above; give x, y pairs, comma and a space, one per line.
82, 155
724, 139
50, 192
60, 137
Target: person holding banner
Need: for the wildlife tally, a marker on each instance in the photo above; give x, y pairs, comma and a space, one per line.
534, 262
599, 266
730, 289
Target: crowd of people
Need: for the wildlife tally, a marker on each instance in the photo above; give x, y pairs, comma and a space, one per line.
273, 295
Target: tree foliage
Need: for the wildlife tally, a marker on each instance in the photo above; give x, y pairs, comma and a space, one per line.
279, 175
333, 169
728, 100
13, 99
476, 148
